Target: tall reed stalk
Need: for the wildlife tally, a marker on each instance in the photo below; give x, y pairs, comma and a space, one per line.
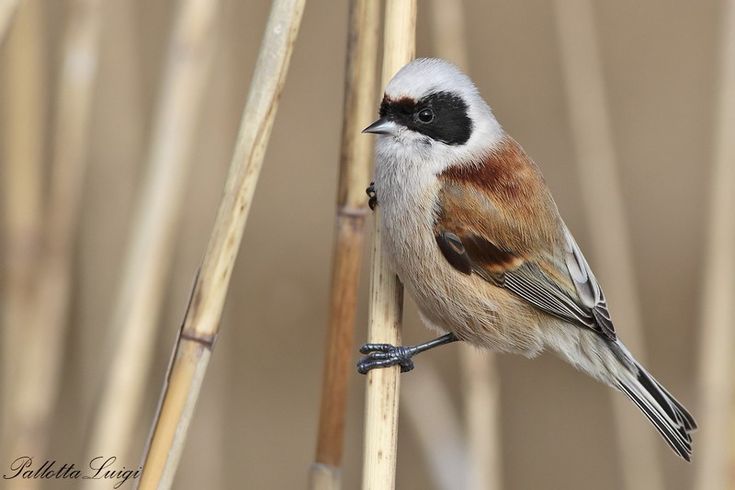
354, 175
21, 188
715, 464
44, 337
609, 231
386, 292
480, 381
149, 254
202, 320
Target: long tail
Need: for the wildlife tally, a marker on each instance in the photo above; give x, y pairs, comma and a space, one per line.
670, 418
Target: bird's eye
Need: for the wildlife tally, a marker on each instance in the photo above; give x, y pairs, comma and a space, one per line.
425, 115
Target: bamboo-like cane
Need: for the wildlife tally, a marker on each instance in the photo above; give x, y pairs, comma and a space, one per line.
355, 159
202, 320
7, 11
44, 336
22, 188
597, 168
149, 254
718, 311
480, 381
386, 292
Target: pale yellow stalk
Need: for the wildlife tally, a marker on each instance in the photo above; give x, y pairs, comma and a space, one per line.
386, 292
202, 321
142, 287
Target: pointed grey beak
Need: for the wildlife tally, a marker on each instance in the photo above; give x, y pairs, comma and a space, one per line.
382, 126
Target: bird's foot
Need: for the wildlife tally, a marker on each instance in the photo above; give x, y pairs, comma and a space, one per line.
385, 355
372, 196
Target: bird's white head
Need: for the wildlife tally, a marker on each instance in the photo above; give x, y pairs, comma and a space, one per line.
433, 111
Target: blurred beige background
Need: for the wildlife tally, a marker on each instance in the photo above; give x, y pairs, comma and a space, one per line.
255, 425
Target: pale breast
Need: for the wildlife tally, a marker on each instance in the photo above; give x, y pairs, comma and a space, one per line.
449, 300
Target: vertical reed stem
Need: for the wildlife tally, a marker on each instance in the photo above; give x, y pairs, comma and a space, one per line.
602, 198
44, 341
355, 158
386, 292
202, 320
716, 366
21, 184
142, 287
480, 381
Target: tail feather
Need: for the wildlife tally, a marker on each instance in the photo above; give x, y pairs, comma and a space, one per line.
687, 419
610, 362
670, 418
673, 432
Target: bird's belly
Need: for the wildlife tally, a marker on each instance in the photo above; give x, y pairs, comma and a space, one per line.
449, 300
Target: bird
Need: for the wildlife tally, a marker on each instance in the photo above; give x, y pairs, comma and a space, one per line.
473, 233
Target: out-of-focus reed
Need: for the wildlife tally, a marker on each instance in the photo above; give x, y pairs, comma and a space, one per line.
202, 320
716, 452
151, 248
23, 112
45, 332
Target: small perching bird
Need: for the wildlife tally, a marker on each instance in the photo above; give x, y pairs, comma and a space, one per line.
476, 238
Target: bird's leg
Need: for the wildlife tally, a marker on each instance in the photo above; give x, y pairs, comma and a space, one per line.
372, 196
385, 355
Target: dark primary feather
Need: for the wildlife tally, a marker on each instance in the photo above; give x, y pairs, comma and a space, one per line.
670, 418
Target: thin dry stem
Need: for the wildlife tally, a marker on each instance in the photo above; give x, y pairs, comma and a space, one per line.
718, 311
22, 167
44, 336
597, 168
202, 320
150, 251
356, 155
480, 382
386, 292
7, 11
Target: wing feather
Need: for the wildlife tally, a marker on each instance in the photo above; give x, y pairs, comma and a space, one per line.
517, 241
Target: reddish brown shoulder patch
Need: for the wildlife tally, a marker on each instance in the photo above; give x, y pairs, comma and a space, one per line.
506, 173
